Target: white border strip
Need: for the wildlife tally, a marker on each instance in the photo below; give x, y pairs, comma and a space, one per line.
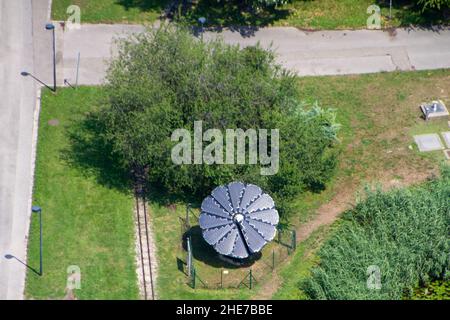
49, 10
37, 111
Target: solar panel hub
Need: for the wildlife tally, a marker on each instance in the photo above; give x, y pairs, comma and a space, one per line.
238, 219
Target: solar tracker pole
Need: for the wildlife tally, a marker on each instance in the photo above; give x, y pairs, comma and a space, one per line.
188, 206
250, 273
294, 239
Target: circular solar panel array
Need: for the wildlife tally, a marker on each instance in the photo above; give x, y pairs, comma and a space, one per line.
238, 219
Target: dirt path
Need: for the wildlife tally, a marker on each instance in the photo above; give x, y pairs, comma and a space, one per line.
325, 215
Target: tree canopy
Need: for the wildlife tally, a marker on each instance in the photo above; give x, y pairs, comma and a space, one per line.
166, 79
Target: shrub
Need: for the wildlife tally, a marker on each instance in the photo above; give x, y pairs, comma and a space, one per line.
166, 79
433, 4
404, 232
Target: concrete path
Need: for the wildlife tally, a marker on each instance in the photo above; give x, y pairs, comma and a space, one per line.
307, 53
21, 25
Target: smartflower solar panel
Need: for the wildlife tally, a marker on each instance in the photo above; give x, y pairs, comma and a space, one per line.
238, 219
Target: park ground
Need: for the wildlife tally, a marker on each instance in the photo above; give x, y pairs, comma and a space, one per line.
323, 14
88, 207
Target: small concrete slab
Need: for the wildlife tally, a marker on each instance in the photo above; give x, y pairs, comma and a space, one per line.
446, 136
428, 142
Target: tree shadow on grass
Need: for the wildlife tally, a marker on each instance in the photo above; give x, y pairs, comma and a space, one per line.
408, 14
94, 157
144, 5
237, 16
89, 153
234, 15
161, 196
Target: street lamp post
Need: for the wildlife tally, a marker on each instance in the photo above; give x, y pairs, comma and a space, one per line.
51, 26
390, 10
37, 209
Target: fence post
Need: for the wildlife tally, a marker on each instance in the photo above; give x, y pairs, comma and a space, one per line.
279, 234
187, 213
190, 263
273, 259
294, 239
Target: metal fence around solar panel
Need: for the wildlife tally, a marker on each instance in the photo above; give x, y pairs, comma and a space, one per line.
205, 268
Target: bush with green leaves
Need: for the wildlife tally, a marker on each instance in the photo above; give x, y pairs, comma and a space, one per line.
268, 3
257, 3
434, 4
404, 233
165, 79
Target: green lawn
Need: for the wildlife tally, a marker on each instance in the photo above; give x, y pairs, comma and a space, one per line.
88, 211
85, 222
171, 282
375, 148
379, 114
111, 11
318, 14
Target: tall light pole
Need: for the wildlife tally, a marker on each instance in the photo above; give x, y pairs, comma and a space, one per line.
51, 26
390, 9
37, 209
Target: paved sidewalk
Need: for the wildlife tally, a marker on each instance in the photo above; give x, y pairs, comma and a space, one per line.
21, 26
307, 53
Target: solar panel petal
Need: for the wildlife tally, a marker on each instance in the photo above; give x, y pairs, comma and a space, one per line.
209, 205
251, 193
236, 190
221, 195
238, 219
254, 240
226, 245
240, 248
207, 221
265, 229
263, 202
266, 215
212, 236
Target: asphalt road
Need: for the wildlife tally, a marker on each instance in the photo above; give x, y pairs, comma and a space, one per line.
18, 33
352, 52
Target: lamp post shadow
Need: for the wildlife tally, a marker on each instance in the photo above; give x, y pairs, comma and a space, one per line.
10, 257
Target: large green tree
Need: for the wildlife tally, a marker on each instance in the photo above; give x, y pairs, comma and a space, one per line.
166, 79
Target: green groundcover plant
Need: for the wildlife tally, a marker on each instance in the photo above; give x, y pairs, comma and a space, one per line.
434, 4
166, 79
403, 233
